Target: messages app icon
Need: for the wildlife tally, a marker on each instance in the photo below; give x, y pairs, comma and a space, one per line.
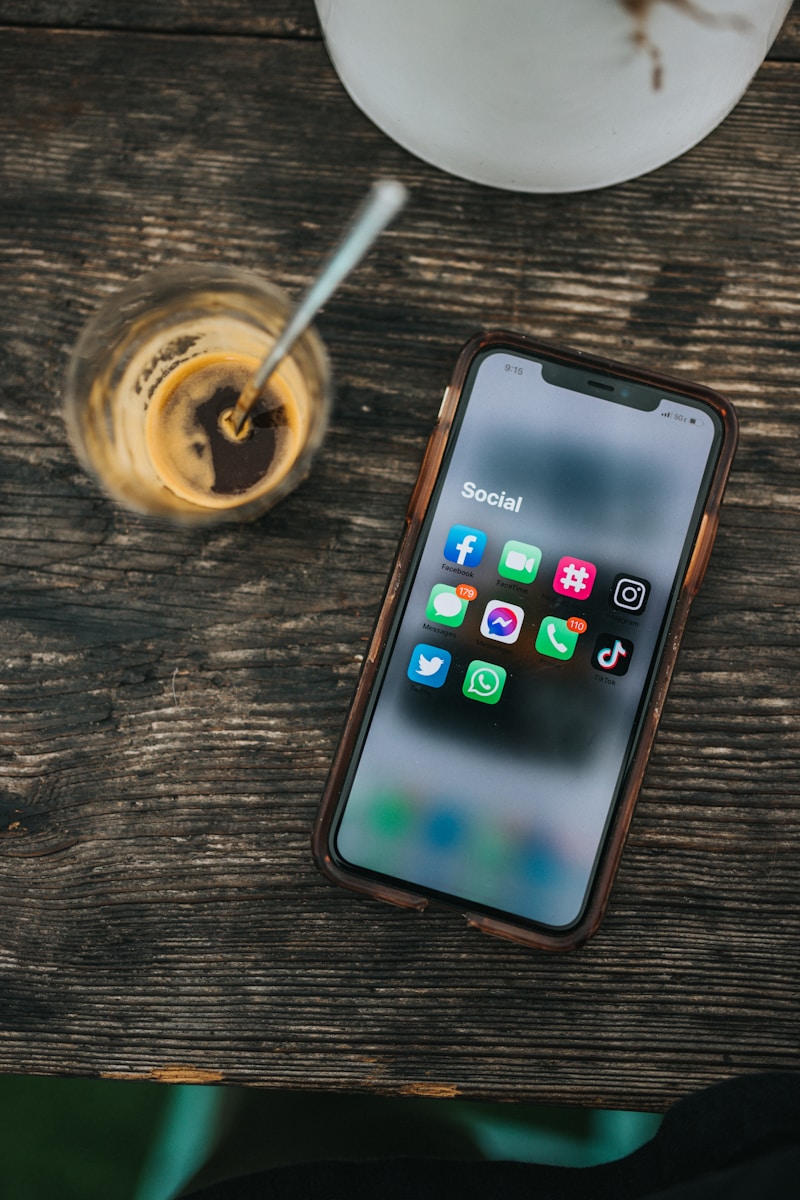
445, 606
519, 561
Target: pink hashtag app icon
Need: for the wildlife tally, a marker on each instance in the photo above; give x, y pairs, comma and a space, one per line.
574, 577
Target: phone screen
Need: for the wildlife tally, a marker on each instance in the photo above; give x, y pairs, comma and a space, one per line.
504, 715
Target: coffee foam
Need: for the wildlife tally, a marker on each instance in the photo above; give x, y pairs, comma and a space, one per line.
190, 453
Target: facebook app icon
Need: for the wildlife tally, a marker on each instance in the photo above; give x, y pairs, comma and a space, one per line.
465, 546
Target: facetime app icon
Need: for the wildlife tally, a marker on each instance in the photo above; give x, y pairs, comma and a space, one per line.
519, 561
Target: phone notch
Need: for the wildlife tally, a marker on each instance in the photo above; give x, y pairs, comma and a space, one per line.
617, 391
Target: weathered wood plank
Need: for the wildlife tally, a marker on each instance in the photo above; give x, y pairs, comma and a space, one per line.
273, 18
170, 701
787, 44
270, 18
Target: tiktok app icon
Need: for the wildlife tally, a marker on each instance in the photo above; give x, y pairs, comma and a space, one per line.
574, 577
612, 654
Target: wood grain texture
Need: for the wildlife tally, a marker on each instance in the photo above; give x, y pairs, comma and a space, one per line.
170, 700
271, 18
262, 18
787, 44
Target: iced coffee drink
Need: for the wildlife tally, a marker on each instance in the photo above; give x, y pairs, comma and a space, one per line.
158, 370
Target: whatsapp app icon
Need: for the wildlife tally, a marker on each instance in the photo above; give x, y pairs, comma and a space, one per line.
484, 681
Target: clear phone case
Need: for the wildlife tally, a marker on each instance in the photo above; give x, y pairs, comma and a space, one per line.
324, 829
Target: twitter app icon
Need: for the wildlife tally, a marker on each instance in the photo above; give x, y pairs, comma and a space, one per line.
429, 665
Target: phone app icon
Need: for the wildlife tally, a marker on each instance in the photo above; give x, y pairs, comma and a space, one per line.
445, 606
612, 654
574, 577
630, 593
519, 561
501, 621
484, 682
464, 545
429, 665
556, 639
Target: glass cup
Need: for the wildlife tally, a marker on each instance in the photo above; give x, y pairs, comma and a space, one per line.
157, 367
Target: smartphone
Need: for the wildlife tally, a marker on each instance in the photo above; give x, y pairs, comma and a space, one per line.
559, 528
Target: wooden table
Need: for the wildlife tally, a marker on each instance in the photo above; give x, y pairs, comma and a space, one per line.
171, 700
